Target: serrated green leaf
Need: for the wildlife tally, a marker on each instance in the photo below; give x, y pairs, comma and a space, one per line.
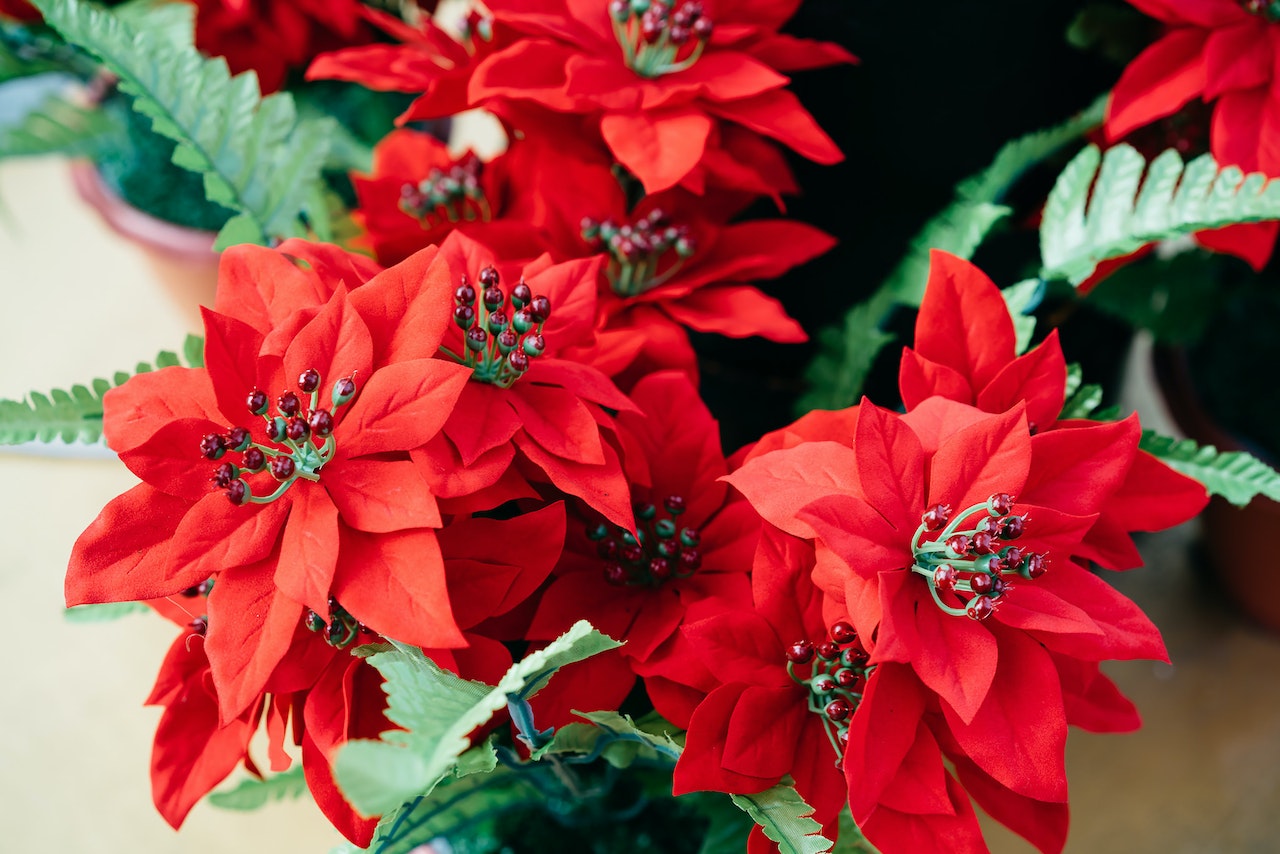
1075, 376
459, 805
1102, 207
255, 155
72, 416
104, 612
438, 711
847, 353
786, 819
252, 794
56, 126
1235, 475
851, 840
193, 351
1082, 404
1022, 299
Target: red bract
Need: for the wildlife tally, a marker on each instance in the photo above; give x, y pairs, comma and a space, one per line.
419, 193
691, 552
764, 716
966, 351
326, 510
1221, 51
276, 36
527, 418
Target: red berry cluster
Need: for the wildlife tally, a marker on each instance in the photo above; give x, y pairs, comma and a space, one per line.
300, 440
836, 680
454, 194
657, 552
341, 629
638, 250
656, 37
502, 334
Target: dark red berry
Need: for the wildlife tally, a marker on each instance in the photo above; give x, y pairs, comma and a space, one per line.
936, 517
465, 295
309, 380
489, 277
282, 468
238, 438
959, 544
494, 298
981, 609
1001, 504
257, 401
540, 308
521, 295
288, 404
199, 625
276, 428
828, 650
675, 504
659, 569
343, 390
615, 574
846, 678
237, 492
518, 361
1013, 557
464, 316
213, 446
632, 553
477, 338
823, 684
800, 652
321, 422
944, 578
838, 709
843, 633
982, 543
607, 549
1035, 565
981, 583
224, 474
1012, 528
702, 28
254, 459
191, 592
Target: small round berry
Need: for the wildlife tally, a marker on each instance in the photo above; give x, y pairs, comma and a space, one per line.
659, 569
298, 429
632, 552
276, 428
690, 560
257, 402
846, 678
465, 295
237, 492
665, 529
343, 390
980, 609
828, 650
489, 277
533, 345
838, 709
690, 537
843, 633
615, 574
958, 545
607, 549
238, 438
282, 468
518, 361
822, 683
321, 422
288, 404
981, 542
199, 625
308, 381
703, 28
1012, 528
477, 338
1035, 565
1013, 557
191, 592
224, 474
464, 316
1000, 504
540, 308
675, 504
981, 583
800, 652
853, 657
213, 446
254, 459
520, 294
944, 578
936, 517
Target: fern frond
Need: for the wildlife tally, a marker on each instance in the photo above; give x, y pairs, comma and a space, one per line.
1235, 475
1108, 206
75, 414
56, 126
847, 353
252, 793
255, 155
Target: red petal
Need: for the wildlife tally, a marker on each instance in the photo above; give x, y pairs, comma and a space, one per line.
357, 829
778, 114
991, 456
133, 412
482, 421
309, 548
700, 767
443, 468
395, 584
659, 147
261, 287
1076, 469
600, 682
1158, 82
920, 784
250, 627
335, 342
1251, 242
170, 459
740, 646
1236, 58
531, 69
1236, 129
1199, 13
584, 381
231, 350
782, 712
407, 307
1042, 824
1038, 378
401, 407
781, 483
920, 379
216, 535
881, 734
1092, 701
382, 495
558, 421
602, 487
737, 311
964, 322
891, 466
955, 832
123, 555
858, 534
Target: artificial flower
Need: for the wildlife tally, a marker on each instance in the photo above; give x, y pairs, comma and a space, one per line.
1219, 51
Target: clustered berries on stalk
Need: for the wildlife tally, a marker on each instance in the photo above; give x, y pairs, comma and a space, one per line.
502, 334
300, 440
454, 194
657, 552
340, 630
972, 564
638, 250
836, 680
658, 40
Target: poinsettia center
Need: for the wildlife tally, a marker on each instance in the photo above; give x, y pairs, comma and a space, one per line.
340, 630
453, 195
836, 676
299, 442
658, 39
502, 332
657, 552
642, 254
969, 570
1269, 9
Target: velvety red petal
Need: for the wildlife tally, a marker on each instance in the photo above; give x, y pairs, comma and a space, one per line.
781, 483
659, 147
1043, 824
1076, 469
858, 534
584, 381
170, 459
782, 713
401, 407
881, 734
1158, 82
261, 286
778, 114
1237, 127
216, 535
920, 785
964, 322
737, 311
600, 682
1199, 13
991, 456
381, 495
309, 548
787, 53
920, 379
1237, 57
250, 627
558, 421
1127, 632
955, 832
123, 555
1092, 701
407, 307
133, 412
700, 767
395, 584
442, 467
602, 487
324, 790
231, 349
891, 466
531, 69
1038, 378
483, 420
1251, 242
740, 646
336, 343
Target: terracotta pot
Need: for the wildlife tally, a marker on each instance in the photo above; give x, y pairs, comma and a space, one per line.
182, 258
1238, 540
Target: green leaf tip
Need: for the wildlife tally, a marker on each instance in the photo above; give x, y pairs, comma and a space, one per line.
252, 793
256, 156
786, 819
1235, 475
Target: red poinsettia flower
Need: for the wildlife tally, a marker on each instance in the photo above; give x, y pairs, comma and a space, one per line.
419, 192
1221, 51
19, 10
276, 36
965, 350
317, 503
758, 721
922, 545
527, 418
692, 550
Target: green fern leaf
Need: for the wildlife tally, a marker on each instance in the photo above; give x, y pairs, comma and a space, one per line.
1235, 475
104, 612
438, 711
786, 819
257, 158
847, 353
1108, 206
56, 126
74, 415
253, 793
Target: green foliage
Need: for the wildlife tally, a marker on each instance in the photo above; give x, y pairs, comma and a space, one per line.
851, 840
616, 738
786, 819
1105, 207
257, 158
75, 415
847, 353
1022, 299
56, 126
252, 793
438, 711
1174, 299
1235, 475
103, 613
